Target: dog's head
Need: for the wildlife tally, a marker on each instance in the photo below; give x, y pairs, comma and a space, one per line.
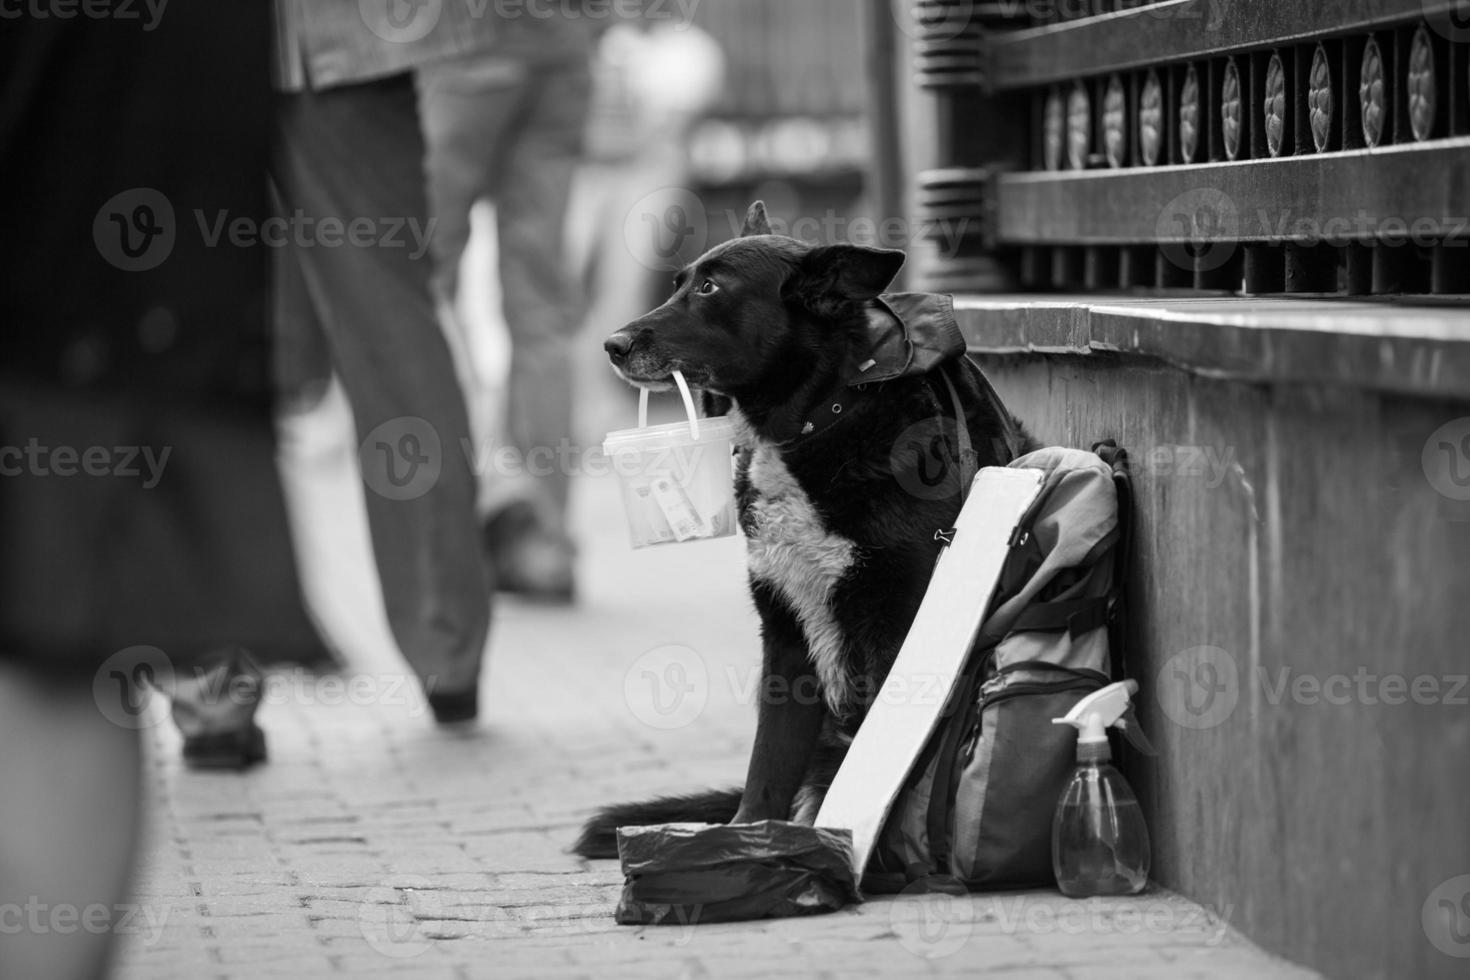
754, 308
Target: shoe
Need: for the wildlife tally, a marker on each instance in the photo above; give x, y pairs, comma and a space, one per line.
214, 709
456, 708
225, 750
528, 559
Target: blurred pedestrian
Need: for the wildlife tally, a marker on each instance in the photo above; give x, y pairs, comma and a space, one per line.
350, 154
507, 124
142, 522
653, 79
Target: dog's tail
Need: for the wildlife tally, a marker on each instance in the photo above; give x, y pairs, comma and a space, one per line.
600, 834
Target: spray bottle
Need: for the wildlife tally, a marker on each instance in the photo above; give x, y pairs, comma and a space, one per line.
1099, 842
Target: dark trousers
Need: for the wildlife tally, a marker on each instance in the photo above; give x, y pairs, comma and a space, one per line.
513, 133
354, 283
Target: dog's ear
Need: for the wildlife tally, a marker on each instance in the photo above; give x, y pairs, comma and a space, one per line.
853, 272
756, 221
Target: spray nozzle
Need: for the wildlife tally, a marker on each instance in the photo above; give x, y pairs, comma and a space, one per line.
1099, 711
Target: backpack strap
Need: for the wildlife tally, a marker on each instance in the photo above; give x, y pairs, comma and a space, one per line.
957, 730
1010, 432
969, 462
1117, 458
1075, 616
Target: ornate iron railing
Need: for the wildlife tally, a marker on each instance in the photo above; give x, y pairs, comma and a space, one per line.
1247, 146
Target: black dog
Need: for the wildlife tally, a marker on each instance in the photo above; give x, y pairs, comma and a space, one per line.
839, 552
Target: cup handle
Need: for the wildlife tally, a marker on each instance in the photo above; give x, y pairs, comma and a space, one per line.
688, 405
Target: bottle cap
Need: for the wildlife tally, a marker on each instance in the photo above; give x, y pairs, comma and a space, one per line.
1094, 714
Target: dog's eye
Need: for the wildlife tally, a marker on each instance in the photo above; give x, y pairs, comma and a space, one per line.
708, 288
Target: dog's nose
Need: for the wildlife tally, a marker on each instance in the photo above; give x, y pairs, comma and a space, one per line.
618, 346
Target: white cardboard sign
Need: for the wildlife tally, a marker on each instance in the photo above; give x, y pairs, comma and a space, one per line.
899, 723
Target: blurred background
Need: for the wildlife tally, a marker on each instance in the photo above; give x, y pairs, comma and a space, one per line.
1230, 234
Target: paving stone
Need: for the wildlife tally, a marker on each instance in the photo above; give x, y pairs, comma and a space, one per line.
373, 845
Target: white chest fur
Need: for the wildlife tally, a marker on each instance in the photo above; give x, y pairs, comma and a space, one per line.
790, 549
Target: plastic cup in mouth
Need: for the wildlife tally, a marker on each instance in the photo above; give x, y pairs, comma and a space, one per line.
677, 479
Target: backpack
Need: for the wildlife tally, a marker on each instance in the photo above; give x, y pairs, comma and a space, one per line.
976, 810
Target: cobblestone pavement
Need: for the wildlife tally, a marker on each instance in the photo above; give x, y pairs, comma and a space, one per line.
375, 845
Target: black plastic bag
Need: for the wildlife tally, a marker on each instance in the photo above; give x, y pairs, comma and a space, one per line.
686, 874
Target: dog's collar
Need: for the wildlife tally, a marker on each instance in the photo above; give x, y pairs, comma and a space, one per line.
830, 409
